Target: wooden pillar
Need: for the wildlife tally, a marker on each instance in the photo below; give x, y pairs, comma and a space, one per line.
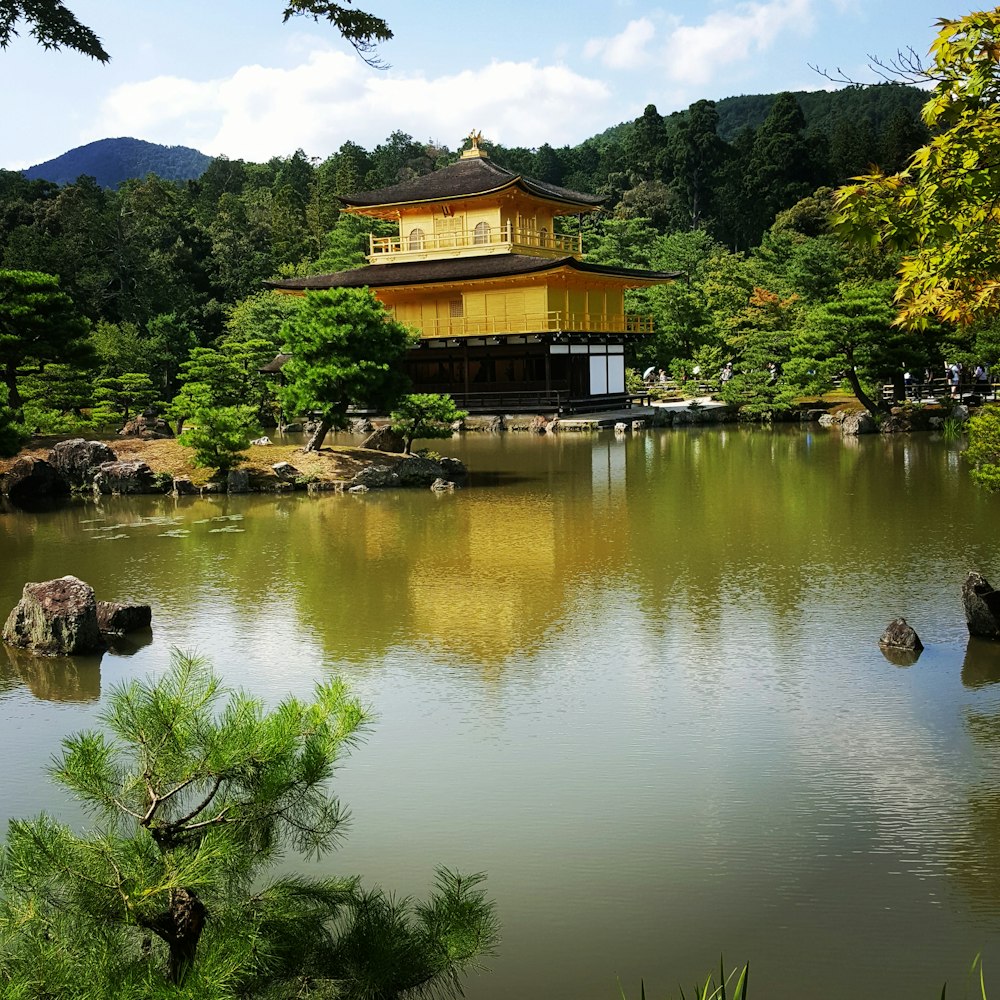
465, 362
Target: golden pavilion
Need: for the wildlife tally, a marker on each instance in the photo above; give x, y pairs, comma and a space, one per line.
510, 316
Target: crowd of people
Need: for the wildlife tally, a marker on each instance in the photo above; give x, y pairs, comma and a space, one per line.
956, 377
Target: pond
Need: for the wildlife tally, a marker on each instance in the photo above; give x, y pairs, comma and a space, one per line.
635, 680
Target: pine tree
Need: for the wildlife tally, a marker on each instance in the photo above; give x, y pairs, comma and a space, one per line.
196, 792
345, 351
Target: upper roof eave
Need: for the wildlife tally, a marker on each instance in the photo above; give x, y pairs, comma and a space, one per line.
462, 269
468, 178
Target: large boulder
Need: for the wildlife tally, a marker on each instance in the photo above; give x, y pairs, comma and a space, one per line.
147, 427
238, 481
384, 439
286, 472
125, 477
117, 619
452, 468
32, 481
417, 471
982, 607
375, 477
859, 422
78, 459
57, 617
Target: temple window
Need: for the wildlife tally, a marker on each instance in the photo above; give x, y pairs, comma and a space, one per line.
482, 233
416, 239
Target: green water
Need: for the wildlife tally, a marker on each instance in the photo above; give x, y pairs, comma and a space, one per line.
637, 681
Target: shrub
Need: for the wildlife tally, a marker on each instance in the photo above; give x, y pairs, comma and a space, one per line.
983, 453
220, 436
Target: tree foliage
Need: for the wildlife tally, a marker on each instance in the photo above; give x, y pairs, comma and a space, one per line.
983, 452
120, 396
54, 26
425, 415
220, 436
38, 325
942, 211
852, 333
344, 349
12, 433
195, 793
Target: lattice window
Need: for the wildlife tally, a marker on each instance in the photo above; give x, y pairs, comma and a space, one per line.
416, 239
482, 233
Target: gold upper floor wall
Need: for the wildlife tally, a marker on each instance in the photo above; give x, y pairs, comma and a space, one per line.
507, 222
511, 309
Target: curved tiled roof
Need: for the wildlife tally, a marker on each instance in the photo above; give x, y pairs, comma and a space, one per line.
425, 272
464, 179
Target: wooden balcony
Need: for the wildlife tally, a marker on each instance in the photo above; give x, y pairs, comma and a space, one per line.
554, 321
464, 243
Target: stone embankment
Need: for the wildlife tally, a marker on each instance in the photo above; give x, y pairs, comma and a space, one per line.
92, 467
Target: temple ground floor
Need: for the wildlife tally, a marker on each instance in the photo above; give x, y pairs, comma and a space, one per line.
562, 373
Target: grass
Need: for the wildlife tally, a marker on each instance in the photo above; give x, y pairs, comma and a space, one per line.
335, 463
732, 986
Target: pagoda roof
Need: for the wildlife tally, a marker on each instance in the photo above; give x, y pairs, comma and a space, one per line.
467, 178
428, 272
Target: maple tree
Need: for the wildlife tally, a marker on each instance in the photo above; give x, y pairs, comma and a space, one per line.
943, 210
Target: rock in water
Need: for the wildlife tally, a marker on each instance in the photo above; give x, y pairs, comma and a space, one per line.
858, 423
899, 635
58, 617
982, 606
117, 619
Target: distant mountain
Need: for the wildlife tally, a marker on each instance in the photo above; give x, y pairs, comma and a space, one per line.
823, 109
111, 161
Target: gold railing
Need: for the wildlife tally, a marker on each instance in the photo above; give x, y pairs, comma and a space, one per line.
554, 321
496, 236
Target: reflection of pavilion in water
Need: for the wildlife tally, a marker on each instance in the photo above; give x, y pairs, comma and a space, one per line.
480, 577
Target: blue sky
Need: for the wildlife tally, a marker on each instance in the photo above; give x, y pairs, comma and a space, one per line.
226, 76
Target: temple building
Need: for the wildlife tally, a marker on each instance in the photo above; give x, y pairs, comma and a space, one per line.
511, 318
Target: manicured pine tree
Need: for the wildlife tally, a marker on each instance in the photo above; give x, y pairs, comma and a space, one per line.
346, 350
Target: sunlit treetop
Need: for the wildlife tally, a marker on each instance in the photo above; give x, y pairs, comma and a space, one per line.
942, 211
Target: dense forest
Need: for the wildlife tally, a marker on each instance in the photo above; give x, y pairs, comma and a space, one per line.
167, 275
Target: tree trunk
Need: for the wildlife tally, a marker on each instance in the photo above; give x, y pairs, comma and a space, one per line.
863, 398
180, 927
319, 435
14, 400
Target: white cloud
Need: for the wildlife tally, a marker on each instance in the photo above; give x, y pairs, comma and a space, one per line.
627, 50
258, 111
694, 54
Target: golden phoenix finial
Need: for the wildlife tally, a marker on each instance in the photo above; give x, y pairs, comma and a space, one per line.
475, 137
